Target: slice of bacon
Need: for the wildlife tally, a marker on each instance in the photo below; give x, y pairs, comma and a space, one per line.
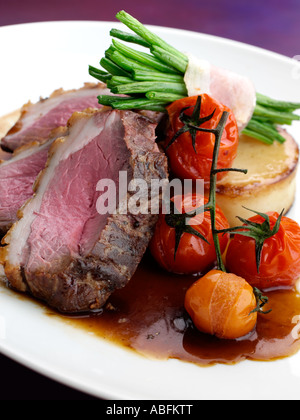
231, 89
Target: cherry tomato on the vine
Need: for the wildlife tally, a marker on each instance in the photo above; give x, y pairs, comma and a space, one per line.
280, 256
222, 304
193, 255
193, 161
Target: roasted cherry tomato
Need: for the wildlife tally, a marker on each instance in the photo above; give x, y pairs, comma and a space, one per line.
222, 304
193, 254
280, 256
188, 161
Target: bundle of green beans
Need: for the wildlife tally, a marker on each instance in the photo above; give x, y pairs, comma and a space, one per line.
153, 80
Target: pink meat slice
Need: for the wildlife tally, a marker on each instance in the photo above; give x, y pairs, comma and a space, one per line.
17, 177
74, 228
5, 155
39, 119
62, 250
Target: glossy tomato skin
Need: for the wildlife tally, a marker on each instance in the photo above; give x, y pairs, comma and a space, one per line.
222, 304
280, 260
184, 162
193, 255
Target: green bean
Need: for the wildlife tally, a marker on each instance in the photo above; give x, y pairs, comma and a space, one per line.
113, 68
279, 105
147, 35
144, 87
258, 136
127, 63
162, 96
128, 37
99, 74
265, 129
143, 58
169, 58
275, 116
144, 76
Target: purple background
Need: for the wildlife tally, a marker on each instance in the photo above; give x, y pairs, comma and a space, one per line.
271, 24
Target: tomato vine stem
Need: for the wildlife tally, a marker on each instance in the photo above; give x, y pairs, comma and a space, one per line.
210, 206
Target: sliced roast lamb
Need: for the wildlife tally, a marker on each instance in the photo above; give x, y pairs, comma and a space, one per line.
39, 119
17, 176
5, 155
62, 250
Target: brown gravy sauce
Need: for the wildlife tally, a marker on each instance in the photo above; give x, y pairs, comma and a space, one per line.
148, 316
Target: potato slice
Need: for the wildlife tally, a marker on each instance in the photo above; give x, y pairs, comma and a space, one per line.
270, 183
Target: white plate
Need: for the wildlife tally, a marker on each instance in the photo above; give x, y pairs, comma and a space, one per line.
38, 58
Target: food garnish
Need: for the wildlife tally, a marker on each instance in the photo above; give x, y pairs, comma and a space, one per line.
261, 301
153, 80
190, 151
257, 231
222, 304
183, 242
190, 122
266, 252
